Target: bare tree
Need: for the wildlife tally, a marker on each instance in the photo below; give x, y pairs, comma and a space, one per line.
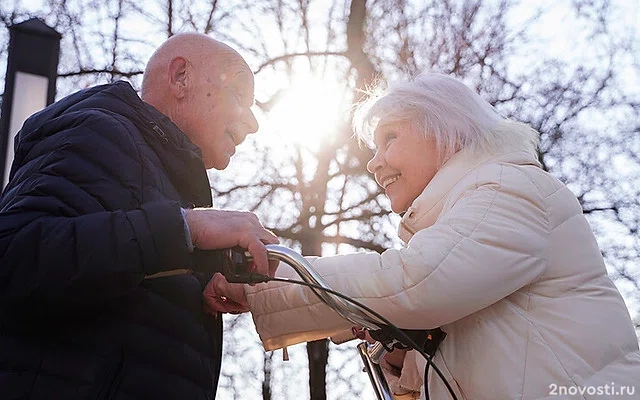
476, 42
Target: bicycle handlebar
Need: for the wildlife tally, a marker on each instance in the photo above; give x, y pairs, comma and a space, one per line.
235, 269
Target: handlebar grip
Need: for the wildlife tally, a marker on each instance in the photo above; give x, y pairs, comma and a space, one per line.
233, 263
236, 264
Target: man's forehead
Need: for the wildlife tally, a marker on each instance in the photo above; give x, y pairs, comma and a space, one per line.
236, 70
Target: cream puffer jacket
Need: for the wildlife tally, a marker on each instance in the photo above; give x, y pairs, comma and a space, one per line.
501, 257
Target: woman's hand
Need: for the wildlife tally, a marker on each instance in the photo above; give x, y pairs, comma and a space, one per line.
221, 296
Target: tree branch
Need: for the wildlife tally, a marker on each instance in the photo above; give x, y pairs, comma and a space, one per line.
286, 57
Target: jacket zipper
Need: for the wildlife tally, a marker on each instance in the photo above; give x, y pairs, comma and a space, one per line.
159, 131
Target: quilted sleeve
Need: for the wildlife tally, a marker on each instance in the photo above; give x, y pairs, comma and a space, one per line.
74, 233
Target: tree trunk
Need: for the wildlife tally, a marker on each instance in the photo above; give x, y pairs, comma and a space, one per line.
266, 383
317, 351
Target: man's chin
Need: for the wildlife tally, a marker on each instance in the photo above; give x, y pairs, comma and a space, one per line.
220, 163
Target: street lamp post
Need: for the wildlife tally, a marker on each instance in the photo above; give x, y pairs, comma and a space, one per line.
30, 82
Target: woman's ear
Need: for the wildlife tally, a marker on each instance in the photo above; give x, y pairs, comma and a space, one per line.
178, 72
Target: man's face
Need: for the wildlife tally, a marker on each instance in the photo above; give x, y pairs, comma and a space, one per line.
217, 116
404, 162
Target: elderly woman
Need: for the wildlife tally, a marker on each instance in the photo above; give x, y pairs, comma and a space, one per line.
498, 254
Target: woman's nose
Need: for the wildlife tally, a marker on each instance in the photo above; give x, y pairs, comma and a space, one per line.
375, 163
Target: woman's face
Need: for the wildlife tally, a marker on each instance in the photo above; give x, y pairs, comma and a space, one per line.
404, 162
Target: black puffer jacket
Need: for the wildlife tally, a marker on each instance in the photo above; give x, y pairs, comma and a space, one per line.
93, 206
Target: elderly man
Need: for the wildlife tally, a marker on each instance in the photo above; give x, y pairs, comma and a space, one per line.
105, 211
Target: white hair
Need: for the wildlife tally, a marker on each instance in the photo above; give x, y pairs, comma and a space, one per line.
444, 108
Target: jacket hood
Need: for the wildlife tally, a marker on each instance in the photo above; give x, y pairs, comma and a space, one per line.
121, 98
179, 156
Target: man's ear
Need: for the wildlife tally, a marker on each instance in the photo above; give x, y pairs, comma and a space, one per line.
179, 75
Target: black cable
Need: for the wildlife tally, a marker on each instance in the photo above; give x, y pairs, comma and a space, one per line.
400, 335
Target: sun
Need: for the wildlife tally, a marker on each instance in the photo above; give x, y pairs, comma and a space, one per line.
309, 111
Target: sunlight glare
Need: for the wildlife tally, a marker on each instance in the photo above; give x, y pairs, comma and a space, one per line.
309, 112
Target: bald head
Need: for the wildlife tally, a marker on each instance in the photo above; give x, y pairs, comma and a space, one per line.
206, 88
198, 50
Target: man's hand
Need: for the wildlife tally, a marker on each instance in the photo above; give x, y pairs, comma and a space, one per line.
222, 229
222, 296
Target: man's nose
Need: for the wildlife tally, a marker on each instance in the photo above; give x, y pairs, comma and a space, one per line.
251, 122
375, 163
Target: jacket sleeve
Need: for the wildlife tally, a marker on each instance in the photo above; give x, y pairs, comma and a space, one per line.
64, 248
491, 242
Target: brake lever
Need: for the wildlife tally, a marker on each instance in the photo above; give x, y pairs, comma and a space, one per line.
236, 264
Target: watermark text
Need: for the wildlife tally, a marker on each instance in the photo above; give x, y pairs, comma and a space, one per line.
600, 390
